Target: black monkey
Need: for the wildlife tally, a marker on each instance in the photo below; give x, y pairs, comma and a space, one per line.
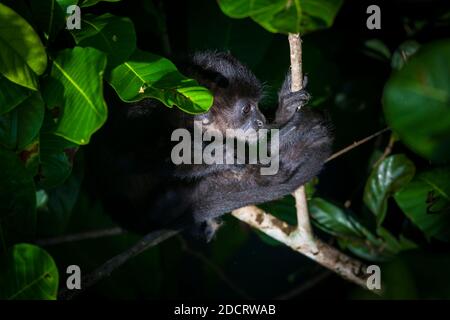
143, 190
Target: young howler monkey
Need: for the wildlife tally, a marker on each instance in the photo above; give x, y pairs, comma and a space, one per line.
143, 190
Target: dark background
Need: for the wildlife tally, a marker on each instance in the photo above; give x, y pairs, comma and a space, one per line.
345, 78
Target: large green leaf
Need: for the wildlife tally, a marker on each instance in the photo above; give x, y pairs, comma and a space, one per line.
113, 35
147, 75
78, 74
21, 125
284, 15
29, 274
426, 201
22, 55
11, 95
416, 101
388, 177
17, 199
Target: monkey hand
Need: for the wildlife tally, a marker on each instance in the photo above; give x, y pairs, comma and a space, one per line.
290, 102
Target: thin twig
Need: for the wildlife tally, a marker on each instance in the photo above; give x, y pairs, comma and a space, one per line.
355, 144
150, 240
94, 234
387, 150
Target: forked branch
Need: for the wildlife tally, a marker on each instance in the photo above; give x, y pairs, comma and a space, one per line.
301, 238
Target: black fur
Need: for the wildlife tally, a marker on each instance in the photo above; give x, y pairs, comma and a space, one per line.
143, 190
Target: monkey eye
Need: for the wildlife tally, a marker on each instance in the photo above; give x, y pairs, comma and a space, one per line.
246, 109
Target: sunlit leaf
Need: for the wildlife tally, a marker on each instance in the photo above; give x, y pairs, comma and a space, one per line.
78, 74
21, 58
29, 274
284, 15
147, 75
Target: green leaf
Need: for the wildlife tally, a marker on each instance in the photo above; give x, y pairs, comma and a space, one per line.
147, 75
49, 17
285, 16
41, 199
416, 102
56, 156
426, 201
78, 73
393, 244
11, 95
113, 35
21, 125
403, 53
66, 3
17, 199
54, 218
388, 177
89, 3
336, 221
21, 58
29, 274
377, 49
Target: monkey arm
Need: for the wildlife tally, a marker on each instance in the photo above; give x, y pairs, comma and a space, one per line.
305, 144
289, 102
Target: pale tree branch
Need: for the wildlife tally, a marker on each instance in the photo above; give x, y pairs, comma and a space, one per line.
303, 223
301, 238
349, 268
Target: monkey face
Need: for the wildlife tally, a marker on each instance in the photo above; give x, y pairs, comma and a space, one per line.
234, 118
246, 115
236, 91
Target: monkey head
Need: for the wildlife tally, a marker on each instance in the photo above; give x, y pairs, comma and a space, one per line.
236, 91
